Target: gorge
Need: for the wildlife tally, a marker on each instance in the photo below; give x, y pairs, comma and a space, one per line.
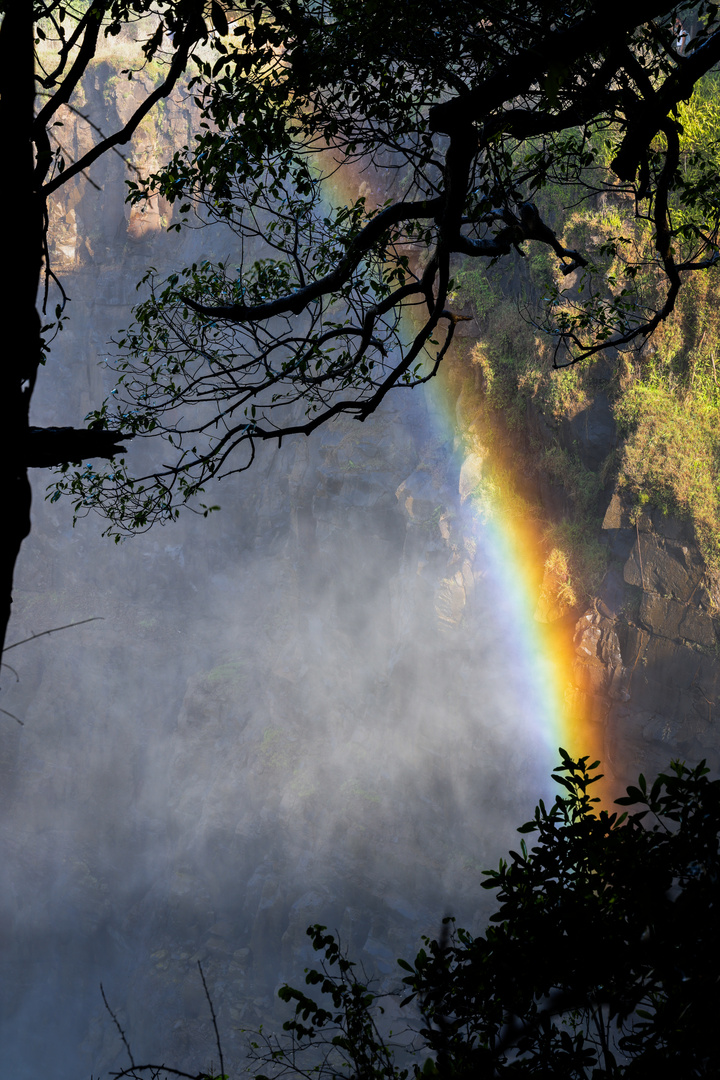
315, 705
333, 701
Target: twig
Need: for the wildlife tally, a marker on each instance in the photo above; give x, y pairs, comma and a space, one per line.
214, 1020
13, 717
11, 668
117, 1025
641, 648
134, 1070
102, 135
84, 172
42, 633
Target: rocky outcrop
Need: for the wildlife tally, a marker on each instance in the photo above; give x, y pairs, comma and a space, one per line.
648, 666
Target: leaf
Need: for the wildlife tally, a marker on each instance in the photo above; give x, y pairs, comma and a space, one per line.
219, 19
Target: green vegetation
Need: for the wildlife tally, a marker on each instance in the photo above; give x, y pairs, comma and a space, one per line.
671, 455
666, 405
511, 355
518, 382
665, 396
595, 964
303, 784
354, 789
233, 673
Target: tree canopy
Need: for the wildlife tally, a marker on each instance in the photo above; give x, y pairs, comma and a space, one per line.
595, 963
459, 116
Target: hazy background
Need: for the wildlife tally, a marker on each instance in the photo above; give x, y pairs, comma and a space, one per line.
312, 707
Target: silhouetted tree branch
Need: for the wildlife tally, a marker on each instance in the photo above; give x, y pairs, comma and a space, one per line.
49, 44
472, 110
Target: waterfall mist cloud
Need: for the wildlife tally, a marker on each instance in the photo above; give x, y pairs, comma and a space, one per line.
311, 707
300, 710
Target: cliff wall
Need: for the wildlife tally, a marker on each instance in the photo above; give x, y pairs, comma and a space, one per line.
645, 626
647, 665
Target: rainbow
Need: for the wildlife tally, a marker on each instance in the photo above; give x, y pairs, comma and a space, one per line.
542, 654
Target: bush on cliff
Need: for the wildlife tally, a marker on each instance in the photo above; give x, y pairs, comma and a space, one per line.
665, 397
597, 963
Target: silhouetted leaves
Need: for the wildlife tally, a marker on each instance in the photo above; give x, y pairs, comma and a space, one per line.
597, 964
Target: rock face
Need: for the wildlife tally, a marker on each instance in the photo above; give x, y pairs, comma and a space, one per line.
647, 664
647, 652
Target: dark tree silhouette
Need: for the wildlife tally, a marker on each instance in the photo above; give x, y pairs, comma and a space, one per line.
32, 91
471, 108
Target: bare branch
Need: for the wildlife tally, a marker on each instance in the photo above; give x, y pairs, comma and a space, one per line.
53, 630
214, 1020
117, 1024
13, 717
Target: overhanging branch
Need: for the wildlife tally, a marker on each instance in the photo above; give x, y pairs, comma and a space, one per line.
47, 447
297, 301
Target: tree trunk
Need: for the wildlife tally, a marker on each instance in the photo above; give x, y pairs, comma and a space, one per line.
19, 276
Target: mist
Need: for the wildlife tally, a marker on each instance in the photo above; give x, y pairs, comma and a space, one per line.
313, 706
290, 713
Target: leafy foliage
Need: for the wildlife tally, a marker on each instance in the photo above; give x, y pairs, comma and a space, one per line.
671, 456
597, 962
472, 111
665, 397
